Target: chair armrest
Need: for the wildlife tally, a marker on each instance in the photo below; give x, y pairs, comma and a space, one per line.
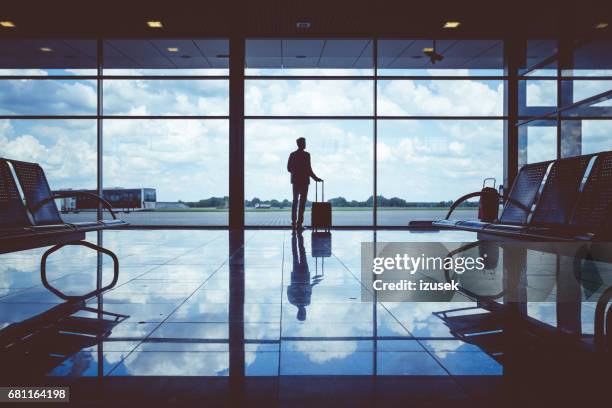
460, 200
480, 193
63, 194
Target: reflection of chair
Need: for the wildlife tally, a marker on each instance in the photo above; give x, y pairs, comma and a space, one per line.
484, 329
603, 322
487, 250
36, 345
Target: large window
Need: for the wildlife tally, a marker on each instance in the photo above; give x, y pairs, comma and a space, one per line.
163, 122
565, 100
48, 103
439, 125
322, 90
405, 130
398, 128
166, 110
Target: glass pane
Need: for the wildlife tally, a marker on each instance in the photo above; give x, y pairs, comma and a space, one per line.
341, 154
596, 136
537, 142
65, 149
580, 137
186, 162
158, 56
587, 89
541, 58
48, 97
540, 92
592, 59
314, 57
42, 57
423, 165
309, 97
442, 97
139, 97
452, 57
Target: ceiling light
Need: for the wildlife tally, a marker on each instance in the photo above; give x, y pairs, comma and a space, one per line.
428, 49
302, 24
155, 24
172, 49
601, 25
7, 24
45, 49
452, 24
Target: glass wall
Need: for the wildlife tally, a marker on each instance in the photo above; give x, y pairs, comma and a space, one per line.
570, 114
48, 103
416, 125
322, 90
164, 121
439, 125
166, 127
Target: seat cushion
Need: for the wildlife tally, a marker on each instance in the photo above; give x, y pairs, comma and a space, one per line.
446, 223
87, 225
473, 225
114, 223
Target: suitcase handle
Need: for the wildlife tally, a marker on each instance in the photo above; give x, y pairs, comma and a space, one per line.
487, 179
322, 191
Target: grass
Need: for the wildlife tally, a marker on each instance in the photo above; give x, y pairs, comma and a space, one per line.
308, 209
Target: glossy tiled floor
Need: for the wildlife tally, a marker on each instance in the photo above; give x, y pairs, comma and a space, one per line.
204, 303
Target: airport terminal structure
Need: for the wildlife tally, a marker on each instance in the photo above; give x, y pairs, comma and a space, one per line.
305, 203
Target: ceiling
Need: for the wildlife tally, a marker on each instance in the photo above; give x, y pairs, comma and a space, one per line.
327, 18
195, 33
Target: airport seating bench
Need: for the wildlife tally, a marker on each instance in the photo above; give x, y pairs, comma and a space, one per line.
29, 218
37, 222
569, 199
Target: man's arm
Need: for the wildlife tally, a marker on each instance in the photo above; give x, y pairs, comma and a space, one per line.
290, 163
310, 172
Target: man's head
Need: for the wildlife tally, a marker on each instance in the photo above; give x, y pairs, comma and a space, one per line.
301, 314
301, 143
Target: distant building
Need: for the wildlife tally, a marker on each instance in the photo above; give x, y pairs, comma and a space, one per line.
121, 199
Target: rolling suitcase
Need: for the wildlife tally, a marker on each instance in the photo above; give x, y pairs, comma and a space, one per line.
321, 211
488, 206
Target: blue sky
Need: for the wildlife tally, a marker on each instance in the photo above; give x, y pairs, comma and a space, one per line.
418, 160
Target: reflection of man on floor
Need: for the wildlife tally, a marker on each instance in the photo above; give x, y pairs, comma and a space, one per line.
299, 292
301, 172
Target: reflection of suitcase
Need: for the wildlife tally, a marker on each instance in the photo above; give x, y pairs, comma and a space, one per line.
321, 244
321, 211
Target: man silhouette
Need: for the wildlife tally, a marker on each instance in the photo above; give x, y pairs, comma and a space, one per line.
301, 172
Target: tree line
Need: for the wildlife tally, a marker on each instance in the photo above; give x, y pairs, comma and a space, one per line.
382, 201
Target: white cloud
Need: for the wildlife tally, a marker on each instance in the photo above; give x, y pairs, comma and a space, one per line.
188, 159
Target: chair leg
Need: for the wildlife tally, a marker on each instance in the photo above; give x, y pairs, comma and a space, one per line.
96, 292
